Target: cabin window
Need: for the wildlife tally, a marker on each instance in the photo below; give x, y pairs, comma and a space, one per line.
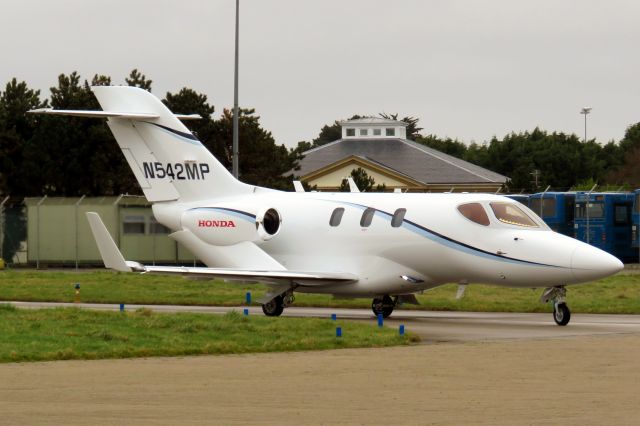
367, 217
391, 132
377, 132
336, 216
398, 218
512, 215
636, 204
133, 225
156, 227
475, 213
351, 132
364, 132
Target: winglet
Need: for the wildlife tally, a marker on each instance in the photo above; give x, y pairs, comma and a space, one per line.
111, 256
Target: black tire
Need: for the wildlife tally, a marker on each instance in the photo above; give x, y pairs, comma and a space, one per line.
274, 308
382, 306
561, 314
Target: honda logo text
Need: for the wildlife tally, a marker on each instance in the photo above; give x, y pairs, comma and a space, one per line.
216, 224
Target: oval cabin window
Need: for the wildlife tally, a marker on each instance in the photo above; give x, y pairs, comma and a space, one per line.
336, 216
367, 217
398, 218
475, 213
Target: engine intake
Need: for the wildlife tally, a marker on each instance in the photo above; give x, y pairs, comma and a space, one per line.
268, 223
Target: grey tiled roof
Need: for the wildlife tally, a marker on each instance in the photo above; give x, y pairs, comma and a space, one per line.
417, 161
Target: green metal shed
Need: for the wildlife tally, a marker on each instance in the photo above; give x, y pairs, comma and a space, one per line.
58, 232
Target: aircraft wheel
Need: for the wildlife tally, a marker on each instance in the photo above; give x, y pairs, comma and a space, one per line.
273, 308
382, 306
561, 314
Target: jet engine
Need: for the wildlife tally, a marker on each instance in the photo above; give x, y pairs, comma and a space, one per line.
221, 226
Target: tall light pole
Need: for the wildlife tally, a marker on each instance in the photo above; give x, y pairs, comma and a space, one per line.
235, 99
585, 111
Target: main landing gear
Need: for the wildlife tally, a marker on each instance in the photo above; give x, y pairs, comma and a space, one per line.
561, 312
275, 306
383, 305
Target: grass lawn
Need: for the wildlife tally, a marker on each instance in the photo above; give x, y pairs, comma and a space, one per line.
617, 294
70, 333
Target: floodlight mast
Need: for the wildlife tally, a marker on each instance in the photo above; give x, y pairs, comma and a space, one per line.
585, 111
235, 163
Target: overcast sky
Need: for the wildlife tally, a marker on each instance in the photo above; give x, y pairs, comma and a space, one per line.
467, 69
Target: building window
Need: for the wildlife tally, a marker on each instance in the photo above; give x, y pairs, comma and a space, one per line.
596, 210
622, 214
351, 132
377, 132
367, 217
390, 132
398, 218
156, 227
544, 207
133, 225
364, 132
336, 216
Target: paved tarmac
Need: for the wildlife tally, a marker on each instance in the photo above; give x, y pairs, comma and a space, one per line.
431, 326
486, 369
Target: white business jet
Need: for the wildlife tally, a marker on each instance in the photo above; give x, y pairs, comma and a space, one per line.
385, 246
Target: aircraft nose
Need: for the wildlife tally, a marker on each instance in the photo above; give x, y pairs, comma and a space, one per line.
590, 263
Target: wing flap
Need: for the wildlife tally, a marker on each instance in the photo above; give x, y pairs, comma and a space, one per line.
307, 278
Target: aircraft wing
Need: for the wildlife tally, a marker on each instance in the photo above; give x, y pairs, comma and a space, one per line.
307, 278
113, 259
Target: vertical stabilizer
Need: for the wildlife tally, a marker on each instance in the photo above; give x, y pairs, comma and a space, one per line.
168, 161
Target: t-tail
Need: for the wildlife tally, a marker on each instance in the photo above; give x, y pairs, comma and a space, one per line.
168, 161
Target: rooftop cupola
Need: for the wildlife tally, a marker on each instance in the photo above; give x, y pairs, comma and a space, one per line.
373, 128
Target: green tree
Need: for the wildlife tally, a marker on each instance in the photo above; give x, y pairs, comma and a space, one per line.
561, 159
16, 128
448, 145
261, 161
363, 181
624, 161
76, 156
137, 79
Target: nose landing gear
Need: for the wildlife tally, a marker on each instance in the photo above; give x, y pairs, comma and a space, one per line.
561, 312
383, 305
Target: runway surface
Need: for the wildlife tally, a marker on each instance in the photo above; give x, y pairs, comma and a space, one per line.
431, 326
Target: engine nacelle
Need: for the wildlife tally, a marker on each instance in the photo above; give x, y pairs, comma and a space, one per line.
220, 226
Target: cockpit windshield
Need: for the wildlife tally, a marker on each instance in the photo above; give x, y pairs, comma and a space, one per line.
511, 214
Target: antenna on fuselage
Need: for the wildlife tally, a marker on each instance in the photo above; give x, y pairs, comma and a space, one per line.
352, 185
297, 185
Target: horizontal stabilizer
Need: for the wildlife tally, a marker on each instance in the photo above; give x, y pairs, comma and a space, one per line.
109, 114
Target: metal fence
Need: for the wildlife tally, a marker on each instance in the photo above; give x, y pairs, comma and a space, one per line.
53, 231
